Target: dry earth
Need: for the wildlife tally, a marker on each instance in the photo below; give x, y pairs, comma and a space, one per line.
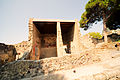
107, 69
98, 63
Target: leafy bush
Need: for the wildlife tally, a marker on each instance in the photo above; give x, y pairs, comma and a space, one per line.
96, 35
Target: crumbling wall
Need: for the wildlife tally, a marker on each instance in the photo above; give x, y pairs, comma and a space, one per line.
29, 68
48, 40
7, 53
77, 46
35, 55
71, 41
87, 41
48, 46
21, 48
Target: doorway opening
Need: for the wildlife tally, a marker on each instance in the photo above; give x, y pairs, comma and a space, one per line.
46, 32
67, 29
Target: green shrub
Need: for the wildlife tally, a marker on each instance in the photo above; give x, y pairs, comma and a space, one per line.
96, 35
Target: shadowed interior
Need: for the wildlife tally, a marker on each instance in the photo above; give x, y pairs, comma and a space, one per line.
67, 29
48, 38
45, 33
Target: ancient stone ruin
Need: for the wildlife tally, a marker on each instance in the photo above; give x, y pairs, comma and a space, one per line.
21, 49
7, 53
53, 38
55, 46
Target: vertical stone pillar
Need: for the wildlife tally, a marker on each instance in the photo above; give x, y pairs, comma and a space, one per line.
30, 30
36, 44
77, 46
60, 49
31, 37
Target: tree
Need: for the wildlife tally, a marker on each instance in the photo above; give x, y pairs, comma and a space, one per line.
113, 22
97, 10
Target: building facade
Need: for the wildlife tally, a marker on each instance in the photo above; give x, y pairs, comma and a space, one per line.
53, 38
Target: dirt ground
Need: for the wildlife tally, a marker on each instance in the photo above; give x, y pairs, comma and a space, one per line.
107, 69
84, 72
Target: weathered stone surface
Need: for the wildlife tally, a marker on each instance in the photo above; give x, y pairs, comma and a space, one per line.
66, 39
21, 48
87, 41
32, 68
108, 69
29, 68
112, 73
7, 53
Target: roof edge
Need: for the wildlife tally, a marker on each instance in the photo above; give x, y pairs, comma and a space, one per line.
51, 20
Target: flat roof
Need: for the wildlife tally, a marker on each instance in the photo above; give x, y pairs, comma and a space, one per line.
52, 20
50, 27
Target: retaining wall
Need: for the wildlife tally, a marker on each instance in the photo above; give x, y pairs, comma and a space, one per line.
29, 68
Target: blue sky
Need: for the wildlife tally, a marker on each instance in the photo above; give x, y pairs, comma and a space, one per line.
14, 16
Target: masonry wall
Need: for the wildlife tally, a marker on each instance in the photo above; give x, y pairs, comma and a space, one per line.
21, 48
85, 40
70, 42
35, 55
48, 46
60, 48
30, 68
7, 53
72, 39
30, 35
48, 52
77, 46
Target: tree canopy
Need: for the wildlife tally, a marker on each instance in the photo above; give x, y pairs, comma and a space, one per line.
114, 21
97, 10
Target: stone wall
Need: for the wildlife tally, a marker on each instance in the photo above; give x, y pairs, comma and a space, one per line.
60, 48
36, 43
7, 53
48, 52
48, 46
27, 69
87, 41
21, 48
30, 26
48, 40
73, 37
77, 46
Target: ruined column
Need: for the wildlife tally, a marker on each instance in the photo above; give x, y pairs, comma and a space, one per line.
77, 46
30, 30
60, 50
31, 37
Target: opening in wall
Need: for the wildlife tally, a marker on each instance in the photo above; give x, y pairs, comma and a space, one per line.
47, 38
67, 29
